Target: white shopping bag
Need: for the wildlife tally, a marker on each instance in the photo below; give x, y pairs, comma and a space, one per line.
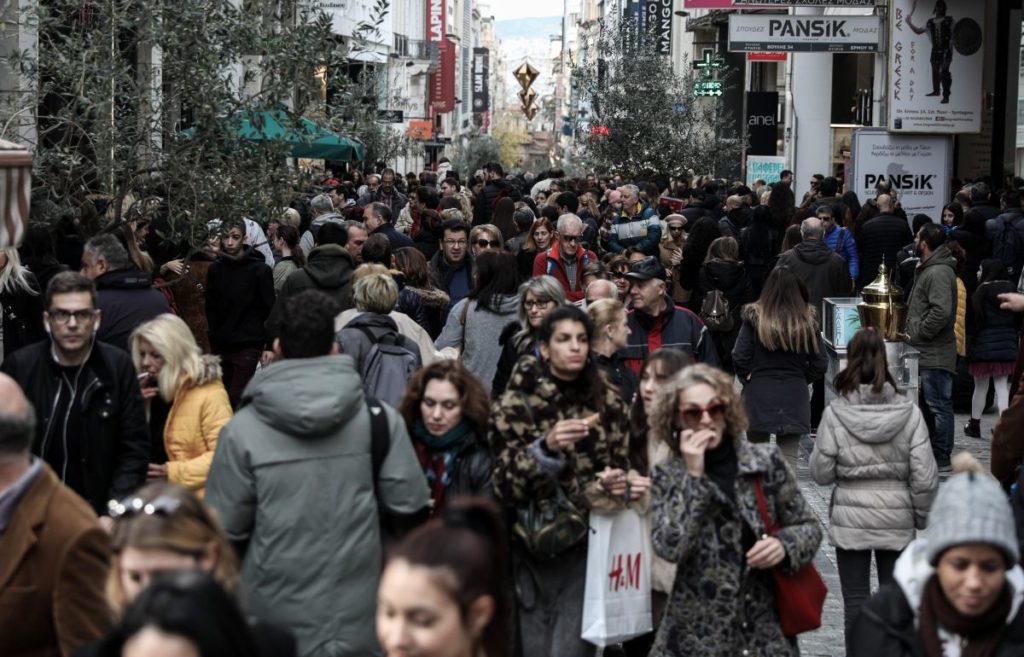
617, 599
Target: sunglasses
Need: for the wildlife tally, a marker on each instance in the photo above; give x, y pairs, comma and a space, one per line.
694, 414
483, 244
573, 239
675, 229
162, 505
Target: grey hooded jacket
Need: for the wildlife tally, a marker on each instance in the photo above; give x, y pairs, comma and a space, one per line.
292, 476
875, 448
478, 336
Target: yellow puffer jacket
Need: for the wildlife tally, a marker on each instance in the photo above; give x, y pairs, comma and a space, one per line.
199, 411
960, 328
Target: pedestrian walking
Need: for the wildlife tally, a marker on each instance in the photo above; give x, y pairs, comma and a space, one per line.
637, 226
21, 302
723, 279
703, 232
538, 240
559, 440
453, 571
433, 300
566, 260
611, 335
778, 353
537, 298
287, 244
958, 591
993, 346
704, 502
873, 444
451, 267
171, 366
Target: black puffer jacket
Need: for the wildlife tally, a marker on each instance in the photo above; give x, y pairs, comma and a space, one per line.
239, 297
995, 338
127, 299
513, 347
493, 191
881, 238
22, 316
822, 270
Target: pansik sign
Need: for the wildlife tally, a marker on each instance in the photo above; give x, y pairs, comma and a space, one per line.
917, 166
777, 32
659, 17
481, 80
936, 57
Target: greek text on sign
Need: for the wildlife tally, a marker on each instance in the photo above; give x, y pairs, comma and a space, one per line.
775, 33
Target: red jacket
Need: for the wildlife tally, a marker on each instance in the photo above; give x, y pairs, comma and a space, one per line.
550, 263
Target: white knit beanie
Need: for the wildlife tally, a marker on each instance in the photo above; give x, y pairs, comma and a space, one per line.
971, 507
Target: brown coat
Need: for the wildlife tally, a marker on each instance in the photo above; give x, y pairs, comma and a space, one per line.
53, 569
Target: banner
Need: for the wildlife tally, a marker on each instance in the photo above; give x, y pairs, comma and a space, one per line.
935, 65
762, 122
765, 167
775, 32
728, 4
481, 80
918, 166
442, 81
659, 18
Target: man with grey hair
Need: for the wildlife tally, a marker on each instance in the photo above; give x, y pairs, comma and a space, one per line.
636, 226
126, 295
566, 259
821, 269
322, 209
602, 288
56, 556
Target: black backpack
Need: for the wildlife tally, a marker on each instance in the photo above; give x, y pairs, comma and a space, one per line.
716, 313
1008, 245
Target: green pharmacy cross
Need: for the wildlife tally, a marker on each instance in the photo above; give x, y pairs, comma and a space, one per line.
708, 67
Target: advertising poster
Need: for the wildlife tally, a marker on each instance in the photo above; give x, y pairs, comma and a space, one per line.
936, 60
918, 166
762, 122
779, 32
481, 80
765, 167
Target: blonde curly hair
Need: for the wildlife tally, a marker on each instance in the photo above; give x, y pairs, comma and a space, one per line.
663, 425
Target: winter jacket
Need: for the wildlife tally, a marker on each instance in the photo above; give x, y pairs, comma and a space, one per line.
477, 337
127, 299
200, 410
888, 623
1008, 442
395, 201
823, 272
354, 342
551, 263
775, 382
406, 327
434, 304
995, 339
719, 607
329, 270
44, 270
455, 279
493, 191
513, 347
880, 239
734, 221
618, 374
996, 229
239, 298
114, 437
470, 474
639, 228
760, 243
22, 316
731, 279
308, 239
397, 240
931, 311
674, 328
523, 468
292, 480
874, 447
841, 241
282, 270
960, 325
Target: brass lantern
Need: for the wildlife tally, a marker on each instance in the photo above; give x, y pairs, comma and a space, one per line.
882, 306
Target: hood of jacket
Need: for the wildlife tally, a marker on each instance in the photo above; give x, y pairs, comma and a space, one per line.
506, 304
433, 297
375, 322
871, 415
210, 370
306, 397
912, 572
126, 279
724, 275
330, 266
941, 256
813, 252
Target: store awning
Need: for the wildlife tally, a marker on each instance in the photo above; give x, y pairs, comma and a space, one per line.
307, 139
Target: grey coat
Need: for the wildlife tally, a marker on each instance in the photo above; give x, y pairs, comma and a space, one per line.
874, 447
478, 336
931, 311
292, 477
719, 607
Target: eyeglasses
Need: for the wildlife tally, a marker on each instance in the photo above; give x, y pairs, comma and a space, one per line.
675, 229
530, 305
483, 244
455, 242
574, 239
694, 414
163, 505
619, 274
64, 316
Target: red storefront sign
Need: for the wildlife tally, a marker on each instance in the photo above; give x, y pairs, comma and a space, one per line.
442, 81
766, 56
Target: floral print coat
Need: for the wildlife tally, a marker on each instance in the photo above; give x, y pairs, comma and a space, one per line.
719, 607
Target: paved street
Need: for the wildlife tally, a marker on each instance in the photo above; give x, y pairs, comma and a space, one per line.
828, 641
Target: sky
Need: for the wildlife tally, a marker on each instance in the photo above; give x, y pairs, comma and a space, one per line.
504, 9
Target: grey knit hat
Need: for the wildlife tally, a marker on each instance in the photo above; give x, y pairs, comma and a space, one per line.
971, 507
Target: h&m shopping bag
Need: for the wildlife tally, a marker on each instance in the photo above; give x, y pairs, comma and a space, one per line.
617, 598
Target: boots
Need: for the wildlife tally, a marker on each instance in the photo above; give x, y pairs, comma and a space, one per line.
973, 428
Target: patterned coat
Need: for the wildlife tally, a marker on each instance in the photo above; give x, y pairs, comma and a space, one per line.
522, 416
719, 607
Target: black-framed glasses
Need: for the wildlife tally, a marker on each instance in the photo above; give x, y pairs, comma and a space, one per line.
62, 316
539, 304
162, 505
483, 244
574, 239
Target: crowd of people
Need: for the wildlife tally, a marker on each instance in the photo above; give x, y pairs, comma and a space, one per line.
378, 424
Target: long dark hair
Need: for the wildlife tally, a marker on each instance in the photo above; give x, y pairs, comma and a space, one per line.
781, 204
866, 363
290, 236
705, 231
496, 275
784, 320
672, 361
466, 544
993, 269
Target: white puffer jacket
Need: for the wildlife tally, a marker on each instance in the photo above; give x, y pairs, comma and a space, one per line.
875, 448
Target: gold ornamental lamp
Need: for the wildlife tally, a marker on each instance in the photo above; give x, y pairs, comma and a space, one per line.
882, 306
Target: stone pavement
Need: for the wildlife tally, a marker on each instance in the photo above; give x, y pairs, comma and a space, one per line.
828, 641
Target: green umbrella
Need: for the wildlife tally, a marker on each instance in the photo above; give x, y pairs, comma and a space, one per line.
307, 139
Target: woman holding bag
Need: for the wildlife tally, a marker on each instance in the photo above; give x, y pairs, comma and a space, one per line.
707, 518
558, 436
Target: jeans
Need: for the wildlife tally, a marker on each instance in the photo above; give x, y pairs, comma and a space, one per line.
855, 579
937, 391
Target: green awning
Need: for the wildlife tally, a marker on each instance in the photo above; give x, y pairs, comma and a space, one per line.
307, 139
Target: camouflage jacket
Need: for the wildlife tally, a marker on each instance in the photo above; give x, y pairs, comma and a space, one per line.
532, 404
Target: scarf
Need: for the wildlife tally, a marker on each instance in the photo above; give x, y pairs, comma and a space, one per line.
437, 455
980, 635
721, 466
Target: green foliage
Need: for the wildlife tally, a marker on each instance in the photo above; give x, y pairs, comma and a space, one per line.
477, 151
654, 122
